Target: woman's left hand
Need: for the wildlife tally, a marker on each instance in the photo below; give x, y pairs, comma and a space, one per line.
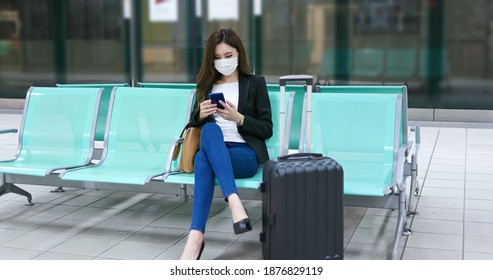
229, 112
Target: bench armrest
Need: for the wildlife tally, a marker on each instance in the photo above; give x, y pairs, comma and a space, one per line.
399, 180
417, 139
169, 160
11, 130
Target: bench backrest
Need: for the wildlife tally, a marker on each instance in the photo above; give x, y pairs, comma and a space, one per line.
297, 109
273, 143
143, 123
189, 86
402, 90
61, 121
361, 132
103, 106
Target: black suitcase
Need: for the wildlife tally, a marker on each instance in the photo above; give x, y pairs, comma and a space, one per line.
302, 208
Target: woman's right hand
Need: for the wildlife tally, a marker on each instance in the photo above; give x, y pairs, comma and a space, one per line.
207, 108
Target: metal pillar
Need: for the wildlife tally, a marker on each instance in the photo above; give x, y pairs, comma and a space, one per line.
58, 37
342, 42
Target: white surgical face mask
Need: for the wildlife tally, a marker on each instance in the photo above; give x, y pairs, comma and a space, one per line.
226, 66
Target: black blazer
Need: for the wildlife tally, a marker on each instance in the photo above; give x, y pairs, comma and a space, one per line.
254, 104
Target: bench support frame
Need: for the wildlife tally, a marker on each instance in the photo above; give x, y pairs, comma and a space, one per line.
6, 188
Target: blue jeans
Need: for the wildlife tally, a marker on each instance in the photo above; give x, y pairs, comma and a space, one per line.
222, 160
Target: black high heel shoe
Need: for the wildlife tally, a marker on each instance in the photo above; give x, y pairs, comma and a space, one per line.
201, 250
242, 226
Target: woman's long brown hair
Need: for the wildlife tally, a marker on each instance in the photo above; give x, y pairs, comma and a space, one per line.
208, 74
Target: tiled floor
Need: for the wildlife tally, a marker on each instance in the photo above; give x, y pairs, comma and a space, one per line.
455, 219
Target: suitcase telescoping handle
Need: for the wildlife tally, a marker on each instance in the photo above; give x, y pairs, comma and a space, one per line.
307, 120
294, 78
301, 156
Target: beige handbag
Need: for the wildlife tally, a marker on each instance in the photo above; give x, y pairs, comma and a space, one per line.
189, 147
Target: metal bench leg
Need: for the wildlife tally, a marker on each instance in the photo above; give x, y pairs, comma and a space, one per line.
414, 187
183, 193
57, 190
11, 188
400, 225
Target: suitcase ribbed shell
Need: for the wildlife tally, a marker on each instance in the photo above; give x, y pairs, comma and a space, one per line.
302, 210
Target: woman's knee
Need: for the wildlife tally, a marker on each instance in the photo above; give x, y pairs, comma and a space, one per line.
210, 127
211, 135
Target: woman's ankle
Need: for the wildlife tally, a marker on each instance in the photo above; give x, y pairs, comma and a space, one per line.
193, 245
238, 211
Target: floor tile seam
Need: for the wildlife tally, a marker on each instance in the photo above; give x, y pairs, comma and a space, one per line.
31, 229
128, 239
430, 220
231, 244
157, 254
474, 188
87, 233
452, 150
390, 245
437, 233
475, 171
473, 166
358, 224
80, 235
436, 248
154, 226
97, 222
435, 188
46, 250
445, 219
487, 192
169, 248
447, 164
442, 189
56, 252
466, 199
26, 232
478, 235
446, 170
50, 216
160, 217
480, 181
480, 210
122, 209
81, 207
481, 153
162, 227
40, 252
70, 254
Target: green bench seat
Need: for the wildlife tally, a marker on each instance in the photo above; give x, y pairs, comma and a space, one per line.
412, 147
143, 125
361, 132
103, 105
56, 132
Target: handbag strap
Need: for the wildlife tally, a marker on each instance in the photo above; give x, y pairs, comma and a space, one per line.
187, 126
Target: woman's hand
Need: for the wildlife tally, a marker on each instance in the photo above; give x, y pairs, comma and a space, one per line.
230, 113
207, 108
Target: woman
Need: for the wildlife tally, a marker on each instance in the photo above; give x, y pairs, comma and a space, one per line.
232, 141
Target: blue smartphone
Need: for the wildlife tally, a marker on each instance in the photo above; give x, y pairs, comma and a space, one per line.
215, 97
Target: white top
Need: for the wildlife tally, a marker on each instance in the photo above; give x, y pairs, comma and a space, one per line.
229, 128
